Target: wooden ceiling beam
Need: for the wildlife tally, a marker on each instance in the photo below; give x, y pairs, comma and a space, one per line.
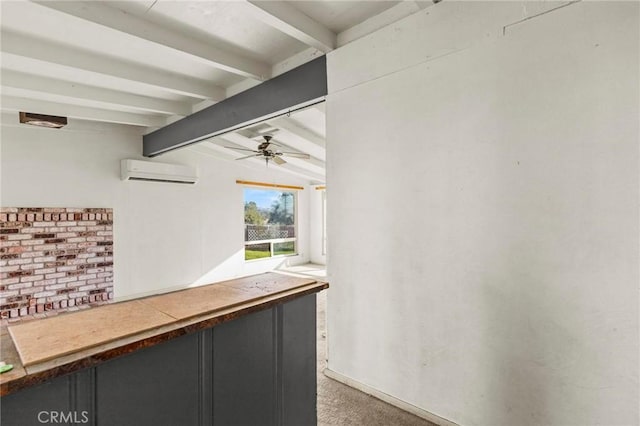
289, 20
51, 86
45, 51
14, 103
116, 19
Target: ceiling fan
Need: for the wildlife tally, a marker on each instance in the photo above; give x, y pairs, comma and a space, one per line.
264, 150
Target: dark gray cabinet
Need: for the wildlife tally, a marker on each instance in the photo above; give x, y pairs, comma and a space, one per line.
258, 369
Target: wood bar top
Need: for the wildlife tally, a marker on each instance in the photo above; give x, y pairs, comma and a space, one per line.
201, 300
46, 348
39, 341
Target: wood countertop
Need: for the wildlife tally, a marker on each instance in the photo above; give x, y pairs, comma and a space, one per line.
43, 349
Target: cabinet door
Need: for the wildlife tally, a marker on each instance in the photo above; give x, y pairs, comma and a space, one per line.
37, 405
244, 390
155, 386
299, 362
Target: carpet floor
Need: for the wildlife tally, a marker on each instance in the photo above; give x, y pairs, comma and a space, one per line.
339, 404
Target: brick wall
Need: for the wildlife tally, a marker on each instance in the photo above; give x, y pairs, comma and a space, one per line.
54, 259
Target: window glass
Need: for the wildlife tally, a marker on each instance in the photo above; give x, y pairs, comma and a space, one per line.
269, 223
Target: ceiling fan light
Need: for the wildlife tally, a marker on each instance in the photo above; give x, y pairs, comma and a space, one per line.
42, 120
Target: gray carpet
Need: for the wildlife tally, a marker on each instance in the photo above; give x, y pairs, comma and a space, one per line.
339, 404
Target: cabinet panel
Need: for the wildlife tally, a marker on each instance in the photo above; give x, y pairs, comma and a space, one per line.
244, 392
158, 385
299, 362
40, 404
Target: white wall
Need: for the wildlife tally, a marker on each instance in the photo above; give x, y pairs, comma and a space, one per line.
483, 212
165, 235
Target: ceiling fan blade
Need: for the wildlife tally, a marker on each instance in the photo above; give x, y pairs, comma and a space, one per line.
241, 149
278, 160
296, 155
249, 156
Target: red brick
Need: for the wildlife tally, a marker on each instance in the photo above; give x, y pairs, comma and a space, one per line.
28, 291
56, 229
20, 249
66, 223
31, 278
33, 243
18, 237
33, 255
19, 261
45, 247
77, 229
31, 230
54, 286
67, 234
29, 266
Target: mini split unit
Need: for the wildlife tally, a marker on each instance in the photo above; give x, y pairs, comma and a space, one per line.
157, 172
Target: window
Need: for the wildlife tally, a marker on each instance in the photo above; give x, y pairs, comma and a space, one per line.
324, 222
269, 223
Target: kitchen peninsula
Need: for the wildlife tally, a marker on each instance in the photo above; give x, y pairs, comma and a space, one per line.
235, 352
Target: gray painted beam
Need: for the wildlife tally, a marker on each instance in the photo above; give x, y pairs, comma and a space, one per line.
300, 86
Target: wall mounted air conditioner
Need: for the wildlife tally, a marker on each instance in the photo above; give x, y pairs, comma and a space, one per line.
157, 172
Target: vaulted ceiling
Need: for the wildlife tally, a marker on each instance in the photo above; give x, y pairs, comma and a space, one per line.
148, 63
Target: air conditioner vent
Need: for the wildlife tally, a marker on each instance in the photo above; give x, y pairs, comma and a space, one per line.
157, 172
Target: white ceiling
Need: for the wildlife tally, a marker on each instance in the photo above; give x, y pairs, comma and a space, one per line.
149, 63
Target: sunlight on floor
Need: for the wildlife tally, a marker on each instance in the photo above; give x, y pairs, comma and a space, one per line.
307, 270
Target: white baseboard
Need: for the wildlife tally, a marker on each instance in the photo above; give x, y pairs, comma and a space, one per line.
389, 399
